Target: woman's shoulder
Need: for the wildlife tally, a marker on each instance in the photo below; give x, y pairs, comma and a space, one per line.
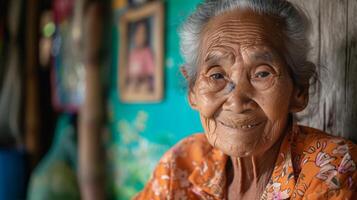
188, 152
309, 141
311, 137
175, 167
326, 159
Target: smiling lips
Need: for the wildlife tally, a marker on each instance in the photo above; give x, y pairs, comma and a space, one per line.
240, 125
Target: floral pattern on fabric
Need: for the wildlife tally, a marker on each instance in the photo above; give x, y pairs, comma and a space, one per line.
310, 165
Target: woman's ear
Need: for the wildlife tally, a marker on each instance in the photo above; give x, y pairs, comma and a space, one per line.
192, 99
184, 72
191, 93
299, 99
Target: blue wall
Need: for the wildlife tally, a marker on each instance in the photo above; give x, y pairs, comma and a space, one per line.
140, 133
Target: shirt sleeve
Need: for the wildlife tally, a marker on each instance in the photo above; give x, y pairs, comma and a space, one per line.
320, 190
337, 176
170, 179
158, 186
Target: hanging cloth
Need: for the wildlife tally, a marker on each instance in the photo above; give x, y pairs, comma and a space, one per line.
10, 96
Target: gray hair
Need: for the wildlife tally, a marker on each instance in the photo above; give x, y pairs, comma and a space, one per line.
296, 27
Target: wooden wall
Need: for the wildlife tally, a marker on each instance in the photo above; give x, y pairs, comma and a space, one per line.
333, 108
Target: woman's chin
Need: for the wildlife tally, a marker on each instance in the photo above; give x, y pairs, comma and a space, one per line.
239, 149
240, 142
241, 136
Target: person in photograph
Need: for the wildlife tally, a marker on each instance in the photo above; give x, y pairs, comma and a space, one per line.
141, 64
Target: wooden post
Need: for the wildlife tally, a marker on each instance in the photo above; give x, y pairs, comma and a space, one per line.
32, 124
91, 156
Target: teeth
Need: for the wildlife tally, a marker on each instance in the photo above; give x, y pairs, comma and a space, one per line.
247, 126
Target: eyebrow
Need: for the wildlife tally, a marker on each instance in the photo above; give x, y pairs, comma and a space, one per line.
216, 56
263, 55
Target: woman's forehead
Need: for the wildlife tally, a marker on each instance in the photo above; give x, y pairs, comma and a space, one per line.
239, 29
256, 52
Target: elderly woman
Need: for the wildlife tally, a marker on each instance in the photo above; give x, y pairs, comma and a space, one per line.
248, 74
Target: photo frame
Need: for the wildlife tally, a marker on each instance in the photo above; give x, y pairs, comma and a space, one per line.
141, 54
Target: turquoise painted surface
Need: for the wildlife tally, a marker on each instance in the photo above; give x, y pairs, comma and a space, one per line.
141, 133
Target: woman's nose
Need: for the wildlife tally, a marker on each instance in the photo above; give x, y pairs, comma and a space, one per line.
239, 97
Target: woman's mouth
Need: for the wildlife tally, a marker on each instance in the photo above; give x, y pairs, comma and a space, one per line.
244, 126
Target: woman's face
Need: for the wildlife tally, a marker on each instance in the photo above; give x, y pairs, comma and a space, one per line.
140, 35
243, 89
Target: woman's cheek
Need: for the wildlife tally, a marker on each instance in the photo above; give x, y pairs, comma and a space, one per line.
209, 98
275, 101
210, 126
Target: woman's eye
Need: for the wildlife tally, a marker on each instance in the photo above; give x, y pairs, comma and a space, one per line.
217, 76
262, 74
263, 78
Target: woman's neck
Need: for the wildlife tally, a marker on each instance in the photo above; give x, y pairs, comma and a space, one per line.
248, 176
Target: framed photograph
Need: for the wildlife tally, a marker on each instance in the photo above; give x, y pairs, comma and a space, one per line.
141, 54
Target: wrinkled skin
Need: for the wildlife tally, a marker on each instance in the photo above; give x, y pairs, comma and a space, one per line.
244, 94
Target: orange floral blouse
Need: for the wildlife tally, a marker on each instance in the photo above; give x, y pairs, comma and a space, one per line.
310, 165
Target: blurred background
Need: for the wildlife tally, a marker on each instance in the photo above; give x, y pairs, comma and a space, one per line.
65, 133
